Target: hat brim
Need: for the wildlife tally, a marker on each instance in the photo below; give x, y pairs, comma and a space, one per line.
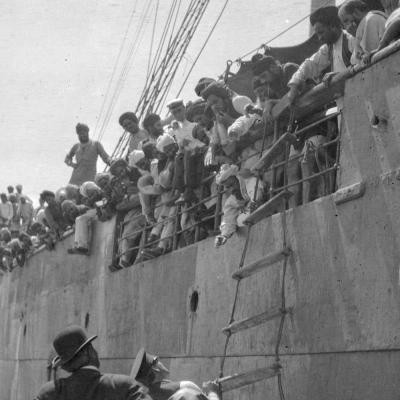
58, 361
137, 364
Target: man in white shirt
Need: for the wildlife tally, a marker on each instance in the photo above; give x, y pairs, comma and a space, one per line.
333, 55
181, 128
366, 26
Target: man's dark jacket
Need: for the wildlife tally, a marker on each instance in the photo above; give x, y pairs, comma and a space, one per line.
89, 384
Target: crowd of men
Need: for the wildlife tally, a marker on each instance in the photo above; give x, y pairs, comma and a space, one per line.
178, 168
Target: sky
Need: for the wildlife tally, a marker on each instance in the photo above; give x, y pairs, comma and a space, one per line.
58, 57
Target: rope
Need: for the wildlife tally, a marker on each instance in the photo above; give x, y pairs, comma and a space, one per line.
152, 41
285, 264
279, 34
202, 48
283, 281
241, 263
125, 70
115, 68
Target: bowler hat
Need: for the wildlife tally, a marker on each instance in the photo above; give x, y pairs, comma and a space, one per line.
69, 342
142, 366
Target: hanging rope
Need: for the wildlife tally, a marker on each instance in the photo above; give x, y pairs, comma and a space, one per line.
241, 263
115, 68
279, 34
125, 69
202, 48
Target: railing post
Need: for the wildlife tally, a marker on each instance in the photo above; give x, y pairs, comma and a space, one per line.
218, 207
176, 227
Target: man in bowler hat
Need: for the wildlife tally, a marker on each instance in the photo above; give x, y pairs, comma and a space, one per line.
152, 373
76, 355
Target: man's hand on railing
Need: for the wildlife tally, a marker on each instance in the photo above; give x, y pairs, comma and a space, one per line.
268, 106
220, 240
253, 206
211, 389
293, 94
367, 57
327, 78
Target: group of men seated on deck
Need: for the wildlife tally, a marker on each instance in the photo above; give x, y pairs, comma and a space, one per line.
166, 191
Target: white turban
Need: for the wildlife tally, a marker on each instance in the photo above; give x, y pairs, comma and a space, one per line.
240, 102
225, 172
88, 188
135, 156
163, 141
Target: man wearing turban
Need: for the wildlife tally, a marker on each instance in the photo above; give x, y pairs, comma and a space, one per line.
86, 153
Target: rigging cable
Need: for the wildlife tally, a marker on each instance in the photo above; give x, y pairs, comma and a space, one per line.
280, 34
115, 66
152, 39
202, 48
124, 72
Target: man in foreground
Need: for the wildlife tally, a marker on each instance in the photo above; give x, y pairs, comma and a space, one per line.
152, 373
76, 355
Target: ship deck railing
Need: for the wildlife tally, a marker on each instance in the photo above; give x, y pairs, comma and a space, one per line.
307, 106
275, 169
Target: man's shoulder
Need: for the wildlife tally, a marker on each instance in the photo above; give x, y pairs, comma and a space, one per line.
47, 392
118, 379
122, 384
375, 16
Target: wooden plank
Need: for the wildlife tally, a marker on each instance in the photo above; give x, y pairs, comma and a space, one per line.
268, 260
274, 151
237, 381
349, 193
268, 208
253, 321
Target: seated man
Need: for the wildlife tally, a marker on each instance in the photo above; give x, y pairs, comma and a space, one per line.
80, 216
149, 371
166, 218
366, 26
107, 209
149, 188
134, 221
240, 199
53, 213
43, 236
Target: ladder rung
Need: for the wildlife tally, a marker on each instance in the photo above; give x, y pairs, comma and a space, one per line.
252, 321
278, 148
237, 381
268, 208
268, 260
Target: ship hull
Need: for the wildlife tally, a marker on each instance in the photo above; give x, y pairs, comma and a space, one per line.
341, 338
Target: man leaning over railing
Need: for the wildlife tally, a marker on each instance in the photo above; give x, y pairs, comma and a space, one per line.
133, 220
168, 147
241, 196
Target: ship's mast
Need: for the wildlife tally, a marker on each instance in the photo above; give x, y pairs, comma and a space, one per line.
317, 4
